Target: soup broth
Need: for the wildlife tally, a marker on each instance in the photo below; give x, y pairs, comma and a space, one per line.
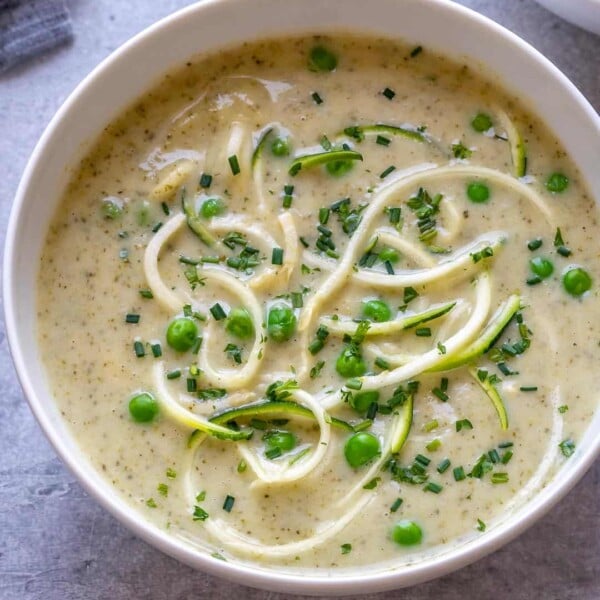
324, 303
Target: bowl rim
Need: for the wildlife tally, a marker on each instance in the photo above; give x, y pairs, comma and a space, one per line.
274, 578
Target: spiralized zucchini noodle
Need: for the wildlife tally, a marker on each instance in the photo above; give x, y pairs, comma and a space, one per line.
466, 329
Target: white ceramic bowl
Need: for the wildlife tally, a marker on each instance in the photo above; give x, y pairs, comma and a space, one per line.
585, 13
438, 24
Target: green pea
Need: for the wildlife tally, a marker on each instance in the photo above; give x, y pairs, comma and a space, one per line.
478, 192
390, 255
284, 440
337, 168
557, 183
360, 448
481, 122
577, 281
112, 208
376, 310
239, 323
541, 266
212, 207
281, 147
143, 407
182, 334
363, 400
281, 323
322, 59
407, 533
350, 363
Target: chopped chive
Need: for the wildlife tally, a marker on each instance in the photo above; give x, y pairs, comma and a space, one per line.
138, 348
441, 348
199, 514
157, 227
440, 394
316, 370
175, 374
228, 504
388, 267
382, 140
354, 384
463, 424
563, 409
389, 93
563, 251
216, 310
480, 525
324, 215
387, 171
371, 485
409, 294
423, 460
171, 473
499, 477
396, 505
297, 299
277, 256
431, 425
205, 180
234, 165
416, 51
315, 346
558, 238
196, 345
156, 350
528, 388
201, 497
534, 244
506, 457
163, 489
436, 488
241, 466
191, 384
304, 242
258, 424
505, 445
273, 453
423, 331
146, 294
165, 208
132, 318
459, 473
533, 280
494, 456
316, 98
382, 363
395, 215
346, 548
444, 384
434, 445
567, 447
443, 466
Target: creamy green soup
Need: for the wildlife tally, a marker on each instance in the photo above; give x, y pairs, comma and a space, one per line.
324, 302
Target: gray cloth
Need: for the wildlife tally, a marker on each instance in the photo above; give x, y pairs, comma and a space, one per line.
30, 27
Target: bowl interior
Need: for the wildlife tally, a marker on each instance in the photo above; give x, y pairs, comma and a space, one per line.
443, 26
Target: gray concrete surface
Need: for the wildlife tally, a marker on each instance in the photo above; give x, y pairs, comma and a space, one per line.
56, 543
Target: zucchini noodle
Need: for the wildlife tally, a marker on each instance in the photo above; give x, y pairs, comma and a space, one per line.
460, 265
428, 360
233, 378
267, 471
169, 300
